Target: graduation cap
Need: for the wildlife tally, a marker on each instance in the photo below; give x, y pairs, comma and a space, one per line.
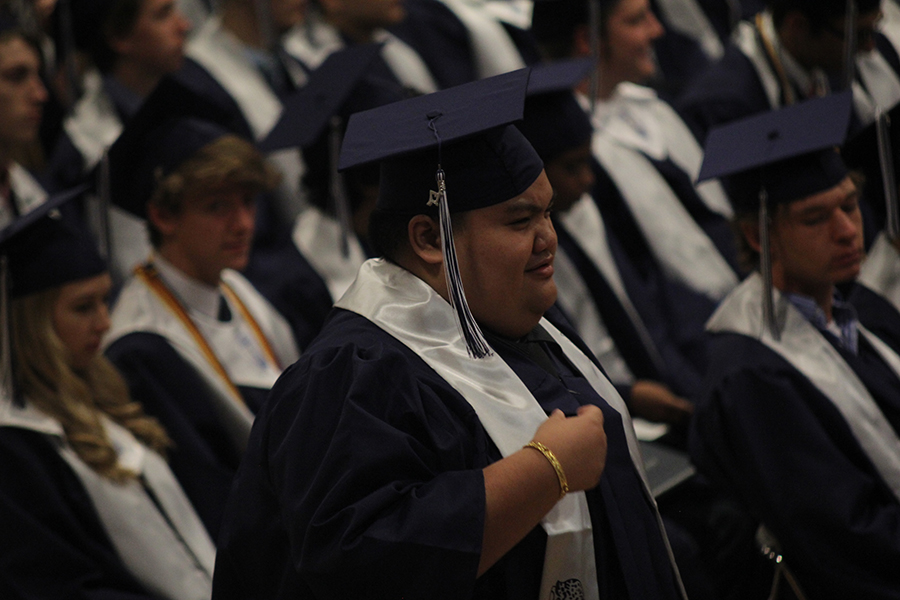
313, 119
554, 120
453, 150
173, 123
872, 151
39, 251
779, 157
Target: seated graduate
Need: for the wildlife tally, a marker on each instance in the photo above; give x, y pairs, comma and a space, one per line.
801, 415
590, 276
648, 156
89, 507
198, 345
791, 51
128, 45
22, 97
334, 24
391, 459
332, 231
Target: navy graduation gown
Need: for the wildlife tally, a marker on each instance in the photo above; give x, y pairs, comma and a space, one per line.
203, 459
440, 39
363, 480
769, 436
877, 314
52, 544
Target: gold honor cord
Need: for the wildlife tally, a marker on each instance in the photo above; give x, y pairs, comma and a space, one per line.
149, 275
786, 88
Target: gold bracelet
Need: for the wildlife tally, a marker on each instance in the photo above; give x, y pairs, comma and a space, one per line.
560, 474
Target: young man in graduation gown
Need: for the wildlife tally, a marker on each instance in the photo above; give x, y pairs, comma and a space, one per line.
22, 97
801, 414
390, 461
129, 45
792, 51
197, 344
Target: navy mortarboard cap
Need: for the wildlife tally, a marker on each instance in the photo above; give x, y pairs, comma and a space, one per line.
790, 153
308, 111
464, 130
173, 123
44, 251
454, 150
554, 120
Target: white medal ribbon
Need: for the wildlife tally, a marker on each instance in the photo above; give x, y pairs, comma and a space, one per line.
807, 350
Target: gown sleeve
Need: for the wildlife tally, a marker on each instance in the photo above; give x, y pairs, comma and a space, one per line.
375, 464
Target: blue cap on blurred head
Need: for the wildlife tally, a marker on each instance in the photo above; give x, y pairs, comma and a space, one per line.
554, 121
175, 121
790, 153
44, 251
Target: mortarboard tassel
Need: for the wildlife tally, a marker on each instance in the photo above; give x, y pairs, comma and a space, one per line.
338, 189
886, 158
476, 345
765, 267
850, 44
103, 208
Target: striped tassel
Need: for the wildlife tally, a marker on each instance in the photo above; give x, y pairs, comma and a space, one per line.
476, 345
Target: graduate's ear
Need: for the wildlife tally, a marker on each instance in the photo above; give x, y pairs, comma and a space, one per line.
163, 219
425, 239
581, 41
750, 230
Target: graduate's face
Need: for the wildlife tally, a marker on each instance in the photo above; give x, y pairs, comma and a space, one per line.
626, 52
81, 317
366, 14
212, 231
287, 13
506, 261
571, 176
156, 41
22, 94
817, 241
826, 48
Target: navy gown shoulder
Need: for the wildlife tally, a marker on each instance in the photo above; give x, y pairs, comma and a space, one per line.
52, 544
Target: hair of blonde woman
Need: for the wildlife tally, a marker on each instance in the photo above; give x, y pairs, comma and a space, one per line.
77, 399
227, 161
